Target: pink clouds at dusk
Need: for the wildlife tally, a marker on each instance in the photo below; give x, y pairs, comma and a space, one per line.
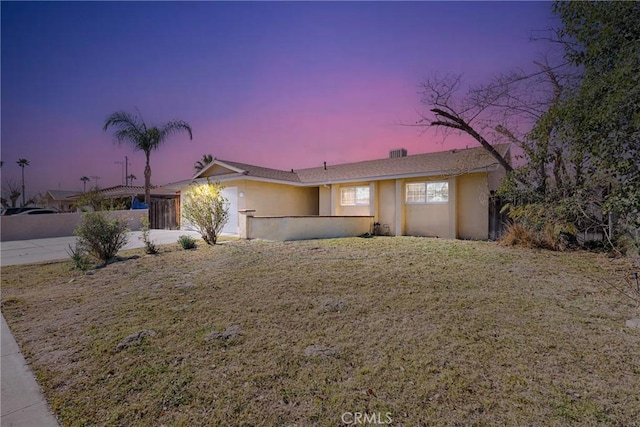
283, 85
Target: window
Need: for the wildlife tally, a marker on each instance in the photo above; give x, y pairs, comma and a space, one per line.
354, 196
416, 192
427, 192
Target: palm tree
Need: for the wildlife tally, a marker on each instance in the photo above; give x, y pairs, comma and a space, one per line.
22, 163
84, 180
201, 164
132, 129
131, 178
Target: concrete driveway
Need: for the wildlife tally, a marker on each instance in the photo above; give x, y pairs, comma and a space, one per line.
55, 248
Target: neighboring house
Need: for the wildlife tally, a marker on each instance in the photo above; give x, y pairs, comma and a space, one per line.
63, 201
444, 194
164, 212
127, 191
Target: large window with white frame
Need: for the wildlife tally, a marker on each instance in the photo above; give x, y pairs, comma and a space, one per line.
354, 196
427, 192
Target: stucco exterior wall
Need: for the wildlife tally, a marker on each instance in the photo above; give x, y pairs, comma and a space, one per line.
310, 227
324, 207
464, 216
269, 199
387, 204
428, 220
472, 206
25, 227
340, 210
216, 170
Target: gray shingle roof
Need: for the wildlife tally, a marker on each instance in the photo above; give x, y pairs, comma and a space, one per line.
439, 163
449, 162
261, 172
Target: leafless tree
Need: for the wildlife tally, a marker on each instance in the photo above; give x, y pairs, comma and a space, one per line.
11, 191
507, 109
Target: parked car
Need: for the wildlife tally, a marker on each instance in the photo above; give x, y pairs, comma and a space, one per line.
28, 211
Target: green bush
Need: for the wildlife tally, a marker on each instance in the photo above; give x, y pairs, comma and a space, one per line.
187, 242
149, 246
78, 257
101, 237
206, 209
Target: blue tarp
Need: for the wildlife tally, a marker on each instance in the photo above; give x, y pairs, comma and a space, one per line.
137, 204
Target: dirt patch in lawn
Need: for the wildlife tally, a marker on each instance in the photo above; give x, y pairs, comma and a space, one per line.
423, 331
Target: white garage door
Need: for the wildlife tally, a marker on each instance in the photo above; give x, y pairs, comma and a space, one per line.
231, 194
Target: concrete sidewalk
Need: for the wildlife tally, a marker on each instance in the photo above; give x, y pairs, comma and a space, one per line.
55, 248
23, 404
21, 400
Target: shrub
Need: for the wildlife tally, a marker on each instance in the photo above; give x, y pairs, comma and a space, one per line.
93, 200
101, 237
187, 242
79, 257
149, 246
537, 225
206, 209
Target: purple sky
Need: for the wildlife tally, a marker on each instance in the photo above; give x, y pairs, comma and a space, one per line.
283, 85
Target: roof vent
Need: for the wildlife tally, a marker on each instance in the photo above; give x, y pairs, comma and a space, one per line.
398, 152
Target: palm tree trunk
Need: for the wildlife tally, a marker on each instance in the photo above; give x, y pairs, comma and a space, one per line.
22, 185
147, 182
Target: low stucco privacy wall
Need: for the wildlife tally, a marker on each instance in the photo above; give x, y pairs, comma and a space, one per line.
303, 227
25, 227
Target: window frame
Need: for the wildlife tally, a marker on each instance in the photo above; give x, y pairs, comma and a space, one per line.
355, 188
425, 192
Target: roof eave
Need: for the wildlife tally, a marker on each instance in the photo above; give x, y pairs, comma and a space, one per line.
234, 177
218, 163
488, 168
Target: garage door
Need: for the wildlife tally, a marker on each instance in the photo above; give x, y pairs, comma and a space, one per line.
231, 194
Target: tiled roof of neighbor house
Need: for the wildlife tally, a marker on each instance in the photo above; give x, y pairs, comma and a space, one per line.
131, 190
259, 171
62, 195
439, 163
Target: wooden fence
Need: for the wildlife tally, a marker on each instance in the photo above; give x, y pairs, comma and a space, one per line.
497, 219
164, 214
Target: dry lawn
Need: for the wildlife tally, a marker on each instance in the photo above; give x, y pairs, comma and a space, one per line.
433, 332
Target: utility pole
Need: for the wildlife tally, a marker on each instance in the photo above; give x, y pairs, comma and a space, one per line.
96, 178
125, 170
126, 174
121, 163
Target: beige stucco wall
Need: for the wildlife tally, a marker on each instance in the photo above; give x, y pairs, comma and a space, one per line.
472, 206
25, 227
464, 216
430, 220
269, 199
324, 207
311, 227
217, 170
387, 204
330, 201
